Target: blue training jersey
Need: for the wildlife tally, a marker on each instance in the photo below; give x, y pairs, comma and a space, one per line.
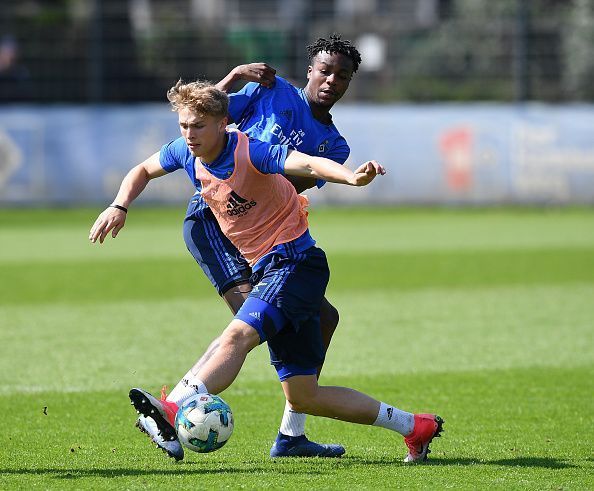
282, 115
279, 115
267, 158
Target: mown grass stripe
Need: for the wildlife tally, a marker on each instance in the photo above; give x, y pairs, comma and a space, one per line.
86, 281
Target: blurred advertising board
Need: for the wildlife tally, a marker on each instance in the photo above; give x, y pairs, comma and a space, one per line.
435, 154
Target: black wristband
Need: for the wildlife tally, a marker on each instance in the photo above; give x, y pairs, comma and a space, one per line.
125, 210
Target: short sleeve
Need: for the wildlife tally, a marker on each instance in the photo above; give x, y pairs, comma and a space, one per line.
241, 100
173, 155
268, 158
339, 153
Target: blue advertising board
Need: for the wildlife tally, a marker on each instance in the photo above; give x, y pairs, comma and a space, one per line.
435, 154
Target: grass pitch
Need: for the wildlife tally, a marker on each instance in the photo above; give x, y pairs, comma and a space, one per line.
484, 316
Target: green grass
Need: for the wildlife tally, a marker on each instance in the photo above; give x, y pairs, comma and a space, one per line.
484, 316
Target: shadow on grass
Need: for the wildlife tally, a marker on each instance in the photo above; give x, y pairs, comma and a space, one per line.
543, 462
180, 470
539, 462
177, 471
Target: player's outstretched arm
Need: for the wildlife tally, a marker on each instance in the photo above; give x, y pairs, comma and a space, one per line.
261, 73
113, 219
300, 164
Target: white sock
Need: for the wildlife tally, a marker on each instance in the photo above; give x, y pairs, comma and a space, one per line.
187, 387
394, 419
293, 423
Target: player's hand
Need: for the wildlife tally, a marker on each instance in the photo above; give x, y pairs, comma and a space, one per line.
261, 73
110, 220
366, 173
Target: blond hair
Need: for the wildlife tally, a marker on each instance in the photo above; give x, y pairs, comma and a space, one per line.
200, 97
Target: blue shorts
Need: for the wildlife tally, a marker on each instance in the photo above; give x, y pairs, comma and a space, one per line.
284, 307
221, 262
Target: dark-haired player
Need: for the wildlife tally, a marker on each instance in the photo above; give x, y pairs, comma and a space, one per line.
270, 109
290, 272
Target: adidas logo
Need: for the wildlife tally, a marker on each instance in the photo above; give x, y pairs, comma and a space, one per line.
390, 412
255, 315
186, 383
257, 287
238, 205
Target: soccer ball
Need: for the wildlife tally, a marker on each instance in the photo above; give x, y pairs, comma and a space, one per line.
204, 423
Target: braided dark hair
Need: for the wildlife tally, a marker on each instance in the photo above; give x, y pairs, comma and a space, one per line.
335, 45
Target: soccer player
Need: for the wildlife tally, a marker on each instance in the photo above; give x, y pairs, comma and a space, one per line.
269, 109
264, 217
272, 110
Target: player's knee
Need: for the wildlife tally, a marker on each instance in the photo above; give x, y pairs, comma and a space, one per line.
303, 402
235, 296
239, 336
